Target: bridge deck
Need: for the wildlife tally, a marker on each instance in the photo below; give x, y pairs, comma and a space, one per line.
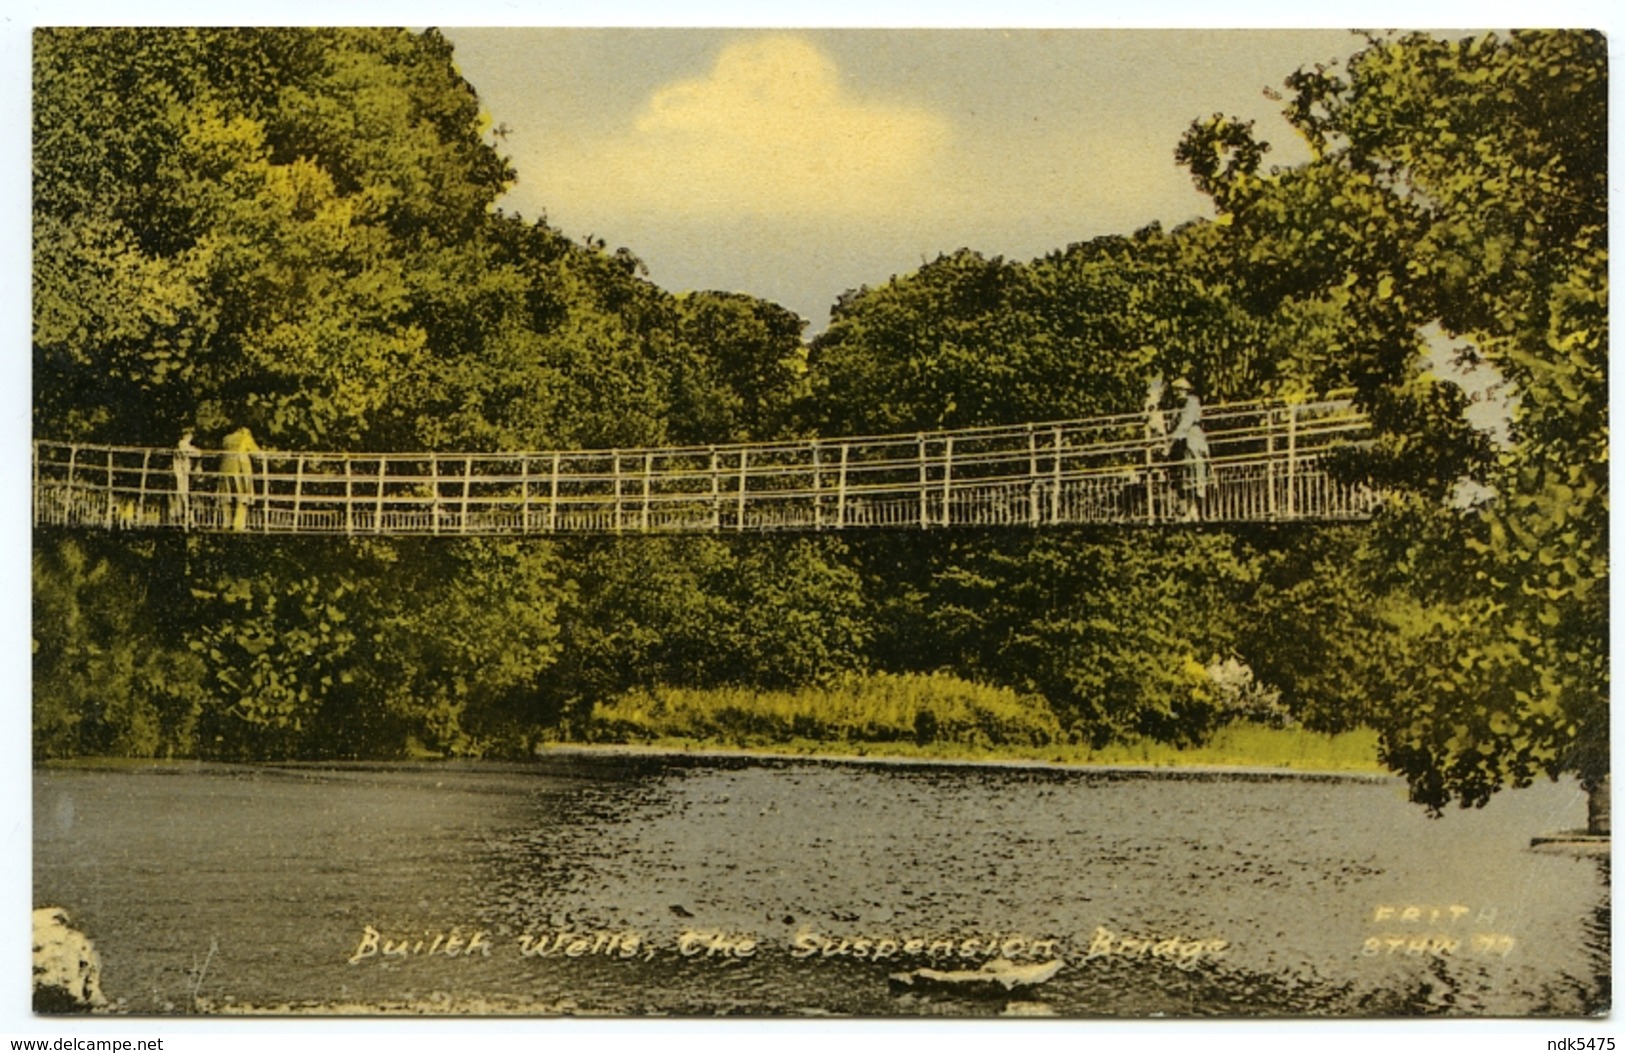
1269, 464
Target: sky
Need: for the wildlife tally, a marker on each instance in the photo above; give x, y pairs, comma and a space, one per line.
797, 164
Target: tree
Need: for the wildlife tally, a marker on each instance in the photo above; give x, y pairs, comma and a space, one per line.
935, 349
1462, 184
234, 225
970, 341
106, 677
737, 367
706, 612
1114, 628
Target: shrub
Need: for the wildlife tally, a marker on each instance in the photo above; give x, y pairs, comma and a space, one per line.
879, 707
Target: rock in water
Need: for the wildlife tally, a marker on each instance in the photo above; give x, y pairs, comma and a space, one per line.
67, 969
998, 977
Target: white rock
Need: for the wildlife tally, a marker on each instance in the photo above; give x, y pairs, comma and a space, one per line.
67, 969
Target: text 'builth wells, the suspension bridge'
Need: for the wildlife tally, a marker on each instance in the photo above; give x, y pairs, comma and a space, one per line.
1265, 462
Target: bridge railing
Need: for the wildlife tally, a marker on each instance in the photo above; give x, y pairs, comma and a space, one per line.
1269, 462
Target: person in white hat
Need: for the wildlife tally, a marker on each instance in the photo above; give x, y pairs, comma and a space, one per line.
1190, 442
1156, 439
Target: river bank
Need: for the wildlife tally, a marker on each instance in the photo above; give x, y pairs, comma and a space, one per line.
940, 717
1238, 749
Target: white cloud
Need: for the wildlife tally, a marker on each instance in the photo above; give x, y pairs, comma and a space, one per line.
770, 130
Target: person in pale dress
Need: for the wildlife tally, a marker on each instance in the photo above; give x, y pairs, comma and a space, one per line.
1187, 444
237, 465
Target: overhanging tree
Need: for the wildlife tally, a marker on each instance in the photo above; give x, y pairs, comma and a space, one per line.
1462, 184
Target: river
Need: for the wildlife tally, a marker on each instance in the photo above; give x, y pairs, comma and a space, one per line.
599, 883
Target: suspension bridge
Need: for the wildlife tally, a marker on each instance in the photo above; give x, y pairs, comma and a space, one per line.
1269, 462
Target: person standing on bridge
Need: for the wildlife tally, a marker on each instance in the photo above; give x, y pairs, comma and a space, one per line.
237, 465
1156, 424
1156, 438
185, 456
1187, 444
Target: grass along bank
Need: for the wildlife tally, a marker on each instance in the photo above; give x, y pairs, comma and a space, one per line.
934, 717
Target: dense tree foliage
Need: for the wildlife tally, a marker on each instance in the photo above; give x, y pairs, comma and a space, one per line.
106, 677
1461, 185
1116, 630
245, 226
709, 612
737, 367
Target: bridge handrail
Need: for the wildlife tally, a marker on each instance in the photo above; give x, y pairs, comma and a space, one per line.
1267, 451
1211, 416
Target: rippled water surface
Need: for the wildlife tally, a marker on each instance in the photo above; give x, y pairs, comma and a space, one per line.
636, 885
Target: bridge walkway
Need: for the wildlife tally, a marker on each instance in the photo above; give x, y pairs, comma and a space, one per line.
1270, 462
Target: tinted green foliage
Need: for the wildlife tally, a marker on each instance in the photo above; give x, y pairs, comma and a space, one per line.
367, 648
971, 341
1116, 630
1462, 184
737, 366
919, 709
104, 679
939, 349
231, 226
706, 612
1317, 633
